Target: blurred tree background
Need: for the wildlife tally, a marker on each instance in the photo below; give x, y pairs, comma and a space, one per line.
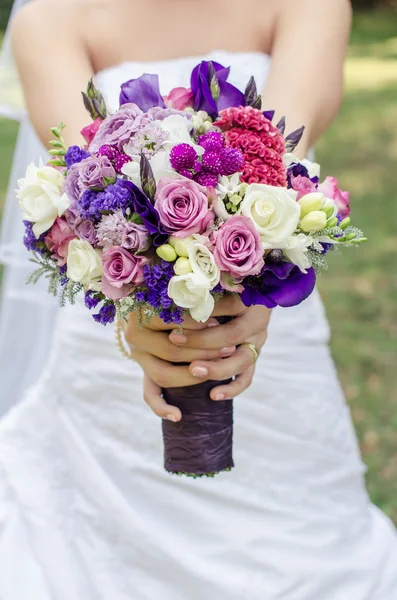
360, 288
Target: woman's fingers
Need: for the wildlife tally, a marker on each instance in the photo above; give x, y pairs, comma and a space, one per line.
219, 370
159, 344
237, 331
236, 387
164, 374
152, 396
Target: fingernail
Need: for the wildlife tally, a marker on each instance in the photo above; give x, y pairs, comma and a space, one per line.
212, 323
171, 418
227, 351
200, 372
220, 397
180, 338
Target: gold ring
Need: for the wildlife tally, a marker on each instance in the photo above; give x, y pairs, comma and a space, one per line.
253, 349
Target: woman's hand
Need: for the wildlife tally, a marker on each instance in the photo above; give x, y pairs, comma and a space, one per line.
209, 347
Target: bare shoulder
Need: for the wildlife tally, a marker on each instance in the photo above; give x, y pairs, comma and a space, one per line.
341, 7
47, 22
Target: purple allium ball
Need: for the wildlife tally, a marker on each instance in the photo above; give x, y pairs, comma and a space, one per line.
182, 156
75, 155
120, 160
110, 151
212, 162
232, 161
207, 179
212, 141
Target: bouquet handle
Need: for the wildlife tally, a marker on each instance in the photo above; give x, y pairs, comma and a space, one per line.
202, 442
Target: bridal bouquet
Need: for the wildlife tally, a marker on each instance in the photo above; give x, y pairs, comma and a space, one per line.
174, 201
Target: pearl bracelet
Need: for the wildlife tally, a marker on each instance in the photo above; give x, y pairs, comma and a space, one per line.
119, 331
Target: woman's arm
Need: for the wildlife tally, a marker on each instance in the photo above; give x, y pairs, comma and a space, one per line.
54, 66
305, 83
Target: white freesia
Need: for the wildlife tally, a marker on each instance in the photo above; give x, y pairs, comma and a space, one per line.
203, 263
296, 251
192, 291
274, 212
40, 197
313, 168
84, 264
227, 186
178, 128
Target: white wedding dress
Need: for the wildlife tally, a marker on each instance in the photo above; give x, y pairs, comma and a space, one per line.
87, 511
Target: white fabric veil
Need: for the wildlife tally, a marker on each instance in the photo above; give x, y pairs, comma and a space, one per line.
27, 313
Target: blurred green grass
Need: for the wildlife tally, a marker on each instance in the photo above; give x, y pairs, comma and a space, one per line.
360, 288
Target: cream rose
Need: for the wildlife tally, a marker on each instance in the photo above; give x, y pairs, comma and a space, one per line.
84, 264
40, 197
192, 291
203, 263
274, 212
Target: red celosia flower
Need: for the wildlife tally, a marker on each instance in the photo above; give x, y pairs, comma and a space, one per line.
260, 142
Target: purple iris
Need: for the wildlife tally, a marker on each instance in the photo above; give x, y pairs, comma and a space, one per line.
143, 91
281, 284
200, 83
149, 215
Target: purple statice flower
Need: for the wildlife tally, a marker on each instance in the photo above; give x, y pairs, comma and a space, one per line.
279, 284
92, 299
62, 273
106, 314
183, 156
141, 296
148, 140
110, 229
31, 242
75, 155
157, 279
117, 196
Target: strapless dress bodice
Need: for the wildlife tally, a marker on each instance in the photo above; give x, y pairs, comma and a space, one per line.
176, 72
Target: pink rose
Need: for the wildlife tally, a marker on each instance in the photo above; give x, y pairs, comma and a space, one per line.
342, 199
302, 185
179, 98
238, 248
121, 271
57, 240
89, 132
183, 206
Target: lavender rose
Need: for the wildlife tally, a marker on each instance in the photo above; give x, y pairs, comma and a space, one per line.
119, 127
85, 230
238, 248
121, 271
135, 237
94, 170
183, 207
72, 186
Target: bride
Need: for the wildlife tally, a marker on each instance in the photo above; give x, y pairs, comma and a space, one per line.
86, 510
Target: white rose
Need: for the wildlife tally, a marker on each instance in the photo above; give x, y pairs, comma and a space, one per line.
203, 263
40, 197
296, 251
192, 291
312, 167
274, 212
84, 264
